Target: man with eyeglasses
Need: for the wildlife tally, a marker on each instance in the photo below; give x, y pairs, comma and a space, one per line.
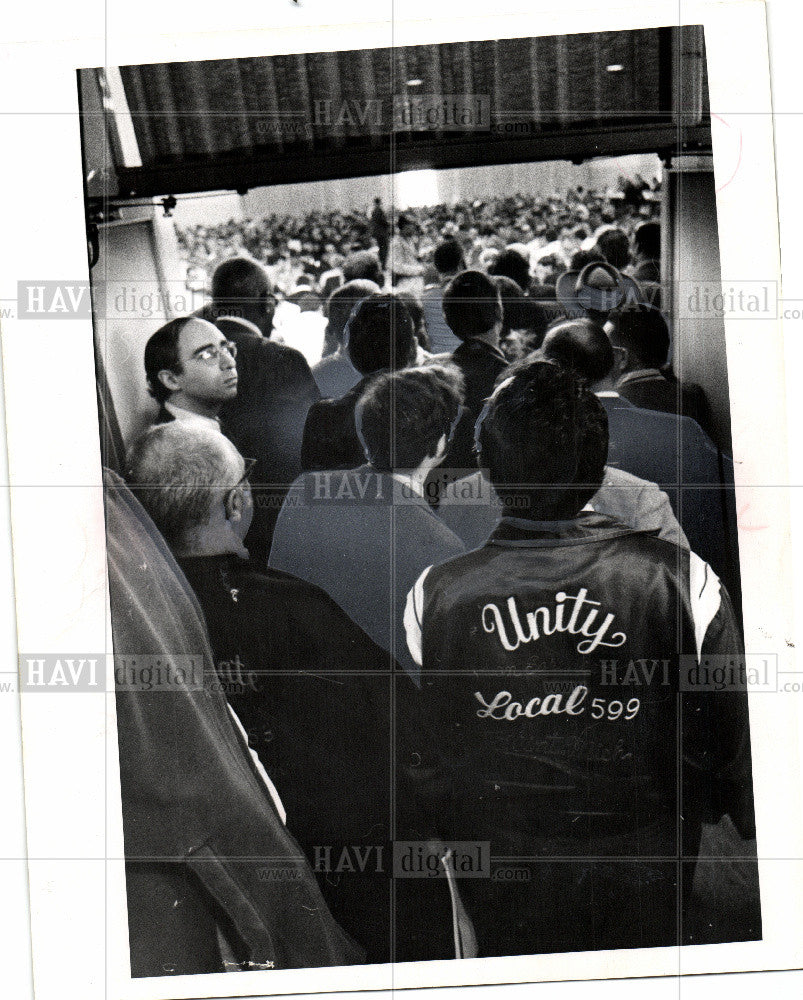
191, 371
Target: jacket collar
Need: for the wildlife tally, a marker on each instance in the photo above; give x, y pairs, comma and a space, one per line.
587, 528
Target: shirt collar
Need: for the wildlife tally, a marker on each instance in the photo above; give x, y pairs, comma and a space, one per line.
188, 417
640, 373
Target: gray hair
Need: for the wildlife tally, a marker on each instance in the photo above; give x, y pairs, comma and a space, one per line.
174, 470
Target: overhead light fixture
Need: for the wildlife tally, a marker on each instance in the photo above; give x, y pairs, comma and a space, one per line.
414, 83
615, 68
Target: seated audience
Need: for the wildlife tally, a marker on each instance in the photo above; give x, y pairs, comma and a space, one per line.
448, 260
576, 778
662, 448
472, 306
307, 683
274, 394
195, 802
641, 336
364, 536
334, 373
380, 337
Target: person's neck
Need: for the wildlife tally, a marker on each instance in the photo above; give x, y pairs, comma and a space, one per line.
211, 540
255, 319
416, 479
607, 384
192, 405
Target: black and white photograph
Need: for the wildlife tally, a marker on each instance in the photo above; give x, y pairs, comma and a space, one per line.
425, 503
427, 437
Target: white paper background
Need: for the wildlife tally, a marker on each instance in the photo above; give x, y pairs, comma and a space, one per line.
41, 202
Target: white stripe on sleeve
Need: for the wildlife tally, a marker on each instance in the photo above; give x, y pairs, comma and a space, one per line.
413, 617
705, 597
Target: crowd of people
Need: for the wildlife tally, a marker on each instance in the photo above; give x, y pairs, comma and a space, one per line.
447, 566
291, 246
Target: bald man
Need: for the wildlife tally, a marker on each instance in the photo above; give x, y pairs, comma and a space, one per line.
274, 393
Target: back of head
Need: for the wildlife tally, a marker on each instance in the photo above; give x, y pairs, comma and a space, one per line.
580, 345
647, 240
161, 352
363, 264
402, 416
471, 304
582, 257
512, 299
448, 258
642, 331
543, 439
511, 264
614, 246
239, 280
380, 334
343, 301
174, 470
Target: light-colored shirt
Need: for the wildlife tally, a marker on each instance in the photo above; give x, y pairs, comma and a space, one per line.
188, 417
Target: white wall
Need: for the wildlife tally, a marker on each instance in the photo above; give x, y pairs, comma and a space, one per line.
413, 188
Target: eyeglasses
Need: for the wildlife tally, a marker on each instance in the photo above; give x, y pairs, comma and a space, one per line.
249, 468
211, 355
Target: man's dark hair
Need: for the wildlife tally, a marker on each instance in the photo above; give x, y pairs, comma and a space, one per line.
614, 246
582, 257
381, 334
543, 437
471, 304
342, 303
511, 264
642, 331
401, 416
582, 346
161, 352
512, 299
647, 240
363, 264
448, 257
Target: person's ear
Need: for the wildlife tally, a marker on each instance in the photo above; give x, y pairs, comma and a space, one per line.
233, 505
169, 379
621, 359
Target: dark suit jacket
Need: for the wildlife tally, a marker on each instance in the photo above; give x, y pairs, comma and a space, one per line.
313, 692
480, 365
678, 455
330, 437
266, 421
651, 390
